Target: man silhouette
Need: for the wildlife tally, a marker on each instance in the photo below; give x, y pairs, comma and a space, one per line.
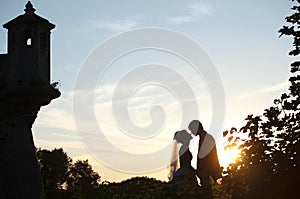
207, 159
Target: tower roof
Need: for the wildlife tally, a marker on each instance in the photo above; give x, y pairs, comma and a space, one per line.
29, 18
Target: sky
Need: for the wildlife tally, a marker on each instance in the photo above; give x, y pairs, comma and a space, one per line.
152, 90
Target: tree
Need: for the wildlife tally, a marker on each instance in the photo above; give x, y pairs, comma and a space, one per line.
293, 30
63, 179
136, 188
54, 166
83, 180
268, 166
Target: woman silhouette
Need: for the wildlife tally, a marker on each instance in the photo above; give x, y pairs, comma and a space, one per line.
183, 155
183, 179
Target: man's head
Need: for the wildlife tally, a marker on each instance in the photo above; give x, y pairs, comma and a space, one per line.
196, 127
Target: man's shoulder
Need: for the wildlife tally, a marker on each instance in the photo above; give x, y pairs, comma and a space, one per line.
210, 137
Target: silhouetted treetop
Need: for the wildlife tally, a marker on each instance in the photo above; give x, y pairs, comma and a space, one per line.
293, 30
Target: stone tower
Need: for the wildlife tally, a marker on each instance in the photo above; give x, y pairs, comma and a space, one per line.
24, 88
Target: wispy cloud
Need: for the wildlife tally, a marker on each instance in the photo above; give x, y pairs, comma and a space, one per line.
60, 115
199, 8
115, 26
194, 12
269, 89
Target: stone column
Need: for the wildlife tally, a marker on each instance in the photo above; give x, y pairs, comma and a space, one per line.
20, 176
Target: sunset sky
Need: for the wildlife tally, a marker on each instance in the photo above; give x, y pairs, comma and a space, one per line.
240, 37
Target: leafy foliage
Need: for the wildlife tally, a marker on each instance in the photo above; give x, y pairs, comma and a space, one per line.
54, 166
268, 166
135, 188
293, 30
269, 161
83, 180
63, 179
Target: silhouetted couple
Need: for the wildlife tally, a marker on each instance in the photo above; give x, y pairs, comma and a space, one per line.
183, 175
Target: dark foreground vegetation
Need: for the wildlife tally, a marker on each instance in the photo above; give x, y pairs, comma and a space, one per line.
268, 166
64, 179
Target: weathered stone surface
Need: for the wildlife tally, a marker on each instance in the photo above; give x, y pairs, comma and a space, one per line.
24, 88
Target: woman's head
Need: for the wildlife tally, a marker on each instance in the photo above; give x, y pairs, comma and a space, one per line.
183, 137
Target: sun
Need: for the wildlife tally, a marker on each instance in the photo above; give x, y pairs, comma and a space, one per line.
230, 155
